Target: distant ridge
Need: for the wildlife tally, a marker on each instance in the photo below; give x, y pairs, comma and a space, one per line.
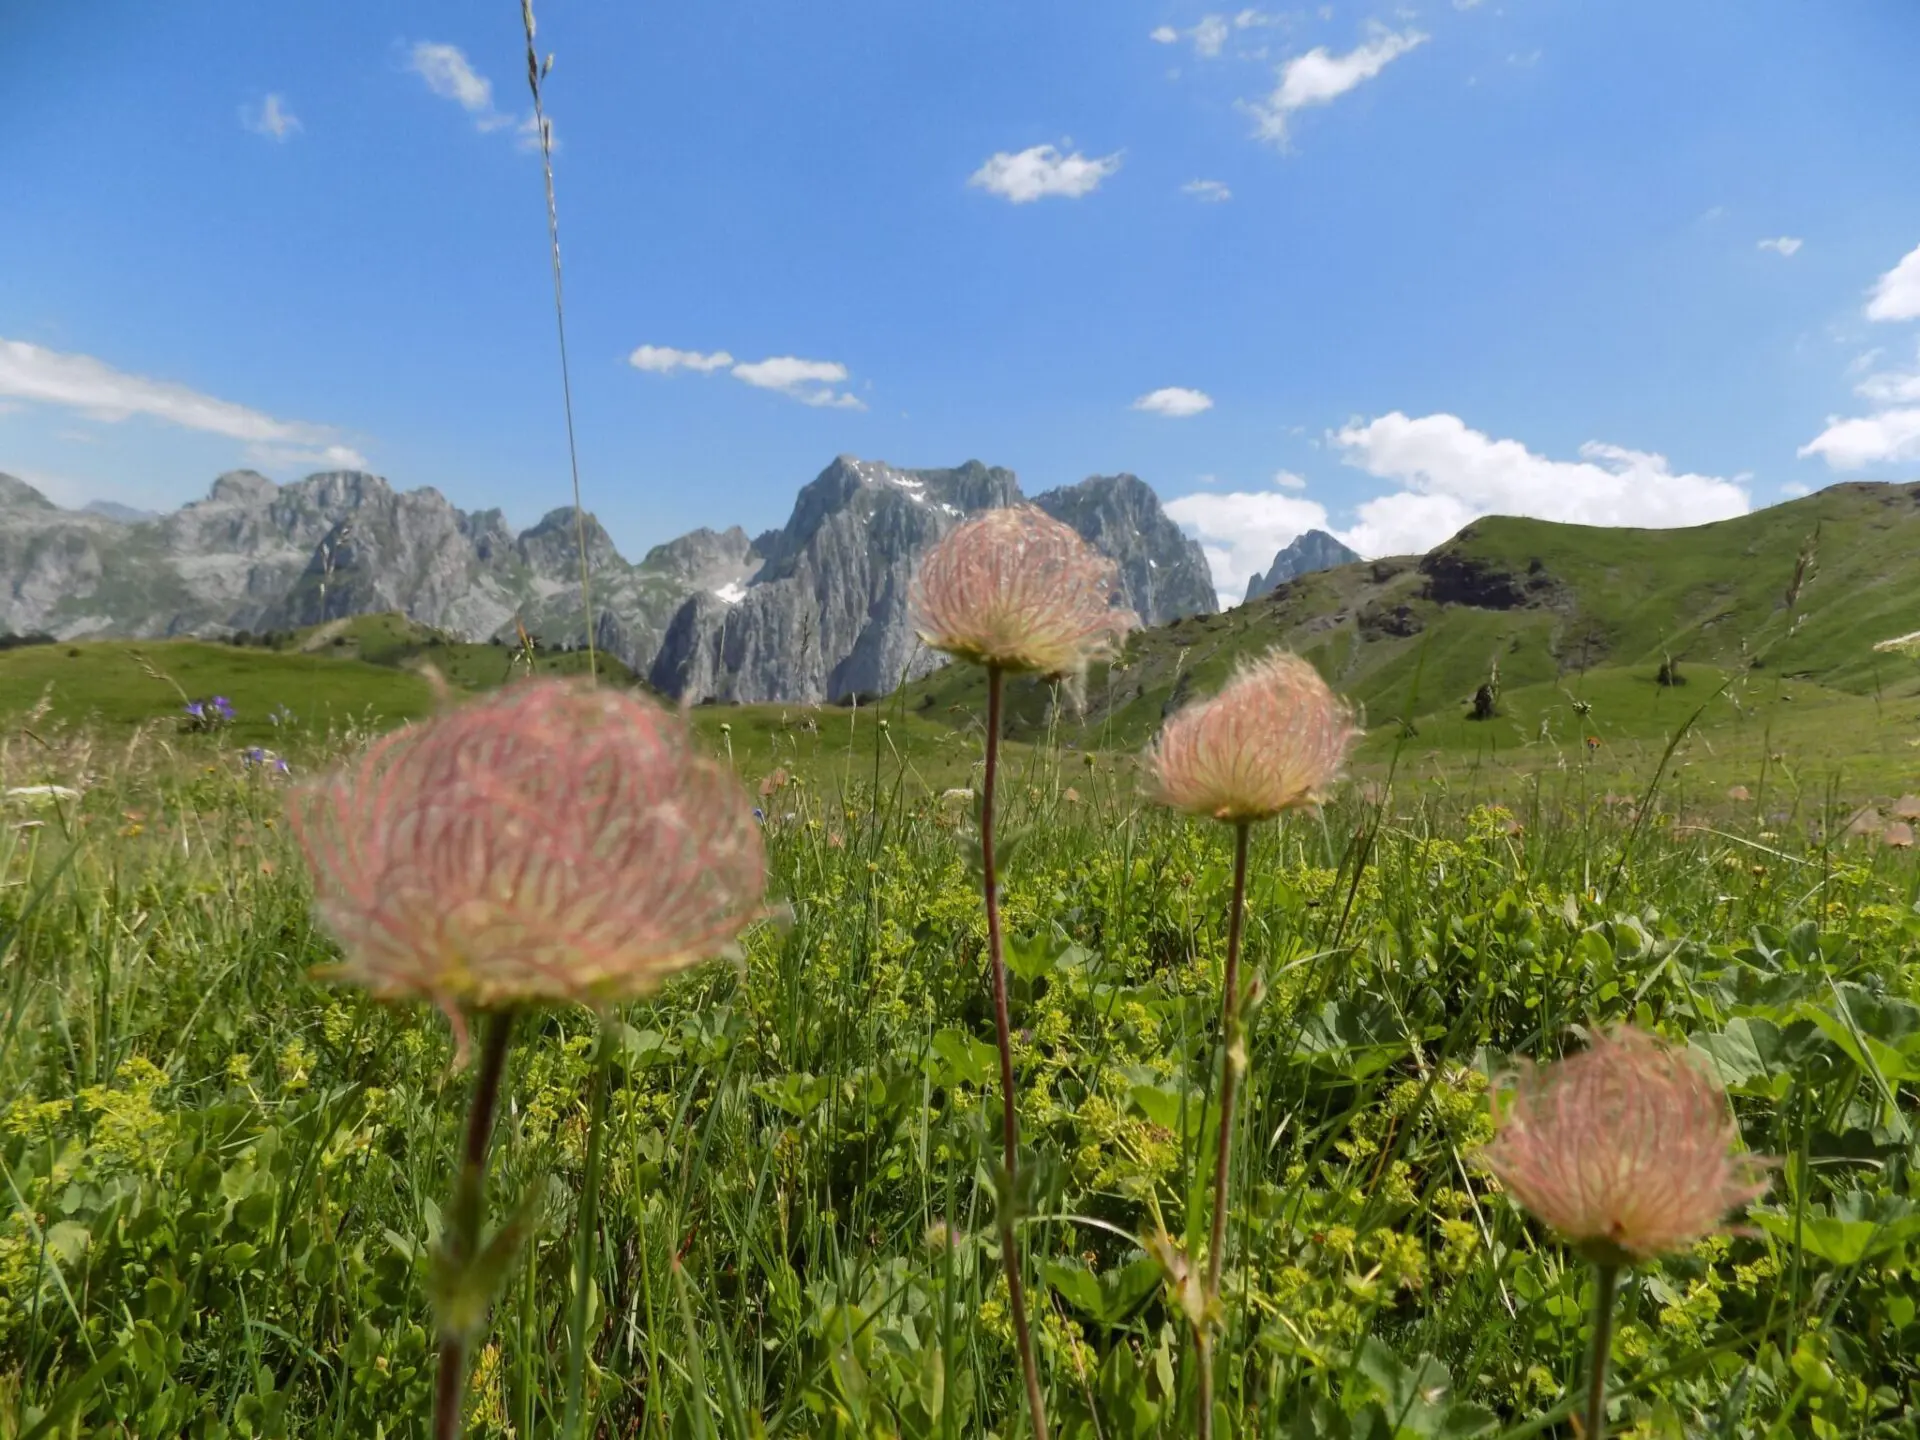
1315, 550
814, 610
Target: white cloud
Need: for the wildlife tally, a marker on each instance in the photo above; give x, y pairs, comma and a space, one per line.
810, 382
1213, 191
1210, 35
1793, 489
1896, 295
451, 76
284, 457
664, 359
1784, 246
80, 382
1320, 77
1175, 402
1242, 531
1253, 19
271, 118
1892, 387
1892, 432
1287, 480
1041, 171
1451, 474
1853, 444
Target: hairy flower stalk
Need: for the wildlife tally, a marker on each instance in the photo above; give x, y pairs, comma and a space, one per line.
1273, 740
550, 843
1015, 591
1628, 1150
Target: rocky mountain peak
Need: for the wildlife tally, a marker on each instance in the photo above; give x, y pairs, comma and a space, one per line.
1162, 569
1315, 550
551, 547
16, 494
242, 487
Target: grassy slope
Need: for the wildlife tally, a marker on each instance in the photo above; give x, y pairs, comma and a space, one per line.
1594, 612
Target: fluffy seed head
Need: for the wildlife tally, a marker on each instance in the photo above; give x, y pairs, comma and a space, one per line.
1016, 589
1626, 1149
547, 843
1274, 739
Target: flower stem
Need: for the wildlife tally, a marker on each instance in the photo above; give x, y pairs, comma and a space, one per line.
1010, 1116
1203, 1402
1232, 1061
586, 1237
467, 1215
1606, 1280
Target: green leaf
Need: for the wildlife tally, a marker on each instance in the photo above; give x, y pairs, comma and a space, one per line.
964, 1060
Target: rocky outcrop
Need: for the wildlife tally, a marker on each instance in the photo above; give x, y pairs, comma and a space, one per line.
1315, 550
814, 610
1162, 570
826, 615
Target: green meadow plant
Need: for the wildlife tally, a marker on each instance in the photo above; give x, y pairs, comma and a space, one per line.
550, 844
1629, 1152
1273, 740
1016, 592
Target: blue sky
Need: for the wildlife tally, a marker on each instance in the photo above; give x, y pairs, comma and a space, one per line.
1373, 267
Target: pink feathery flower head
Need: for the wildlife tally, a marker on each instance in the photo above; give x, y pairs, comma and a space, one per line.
1016, 589
549, 842
1627, 1149
1274, 739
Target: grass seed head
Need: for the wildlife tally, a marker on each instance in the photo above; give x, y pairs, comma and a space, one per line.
1274, 739
1627, 1149
1016, 589
546, 843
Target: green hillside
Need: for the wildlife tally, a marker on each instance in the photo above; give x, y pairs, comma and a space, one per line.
1559, 606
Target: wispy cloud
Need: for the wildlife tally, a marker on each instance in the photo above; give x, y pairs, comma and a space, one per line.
1212, 191
811, 382
294, 457
1320, 77
664, 360
94, 388
1175, 402
1896, 295
1785, 246
272, 118
1042, 170
1892, 432
1211, 32
450, 75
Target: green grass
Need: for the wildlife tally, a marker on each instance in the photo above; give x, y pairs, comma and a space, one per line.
1561, 606
224, 1179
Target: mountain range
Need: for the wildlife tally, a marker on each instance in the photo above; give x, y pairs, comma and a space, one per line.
814, 610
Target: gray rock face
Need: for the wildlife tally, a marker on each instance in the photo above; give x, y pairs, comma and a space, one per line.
826, 614
814, 610
257, 556
1164, 572
1315, 550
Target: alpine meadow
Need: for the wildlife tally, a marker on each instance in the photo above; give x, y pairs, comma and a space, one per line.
943, 965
